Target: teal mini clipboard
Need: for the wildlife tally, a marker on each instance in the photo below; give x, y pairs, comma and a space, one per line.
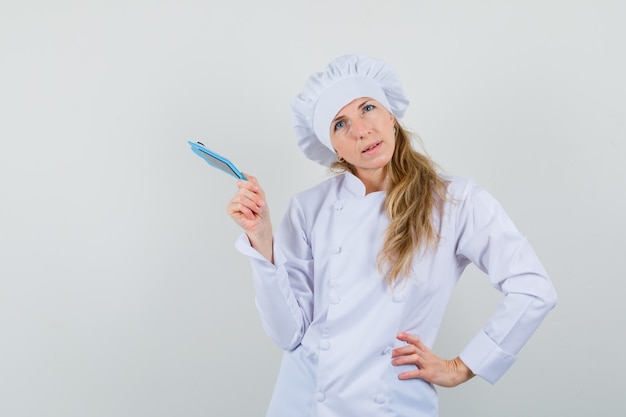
215, 160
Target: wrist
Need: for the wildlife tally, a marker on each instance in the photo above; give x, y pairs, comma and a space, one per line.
463, 372
265, 246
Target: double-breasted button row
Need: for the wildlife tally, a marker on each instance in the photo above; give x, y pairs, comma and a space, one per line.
324, 344
398, 298
380, 399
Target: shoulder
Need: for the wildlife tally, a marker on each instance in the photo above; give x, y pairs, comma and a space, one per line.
311, 200
322, 189
306, 208
459, 188
466, 197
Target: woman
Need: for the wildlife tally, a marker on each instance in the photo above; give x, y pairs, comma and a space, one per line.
354, 284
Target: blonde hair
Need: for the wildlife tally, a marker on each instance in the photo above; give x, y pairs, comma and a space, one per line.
414, 205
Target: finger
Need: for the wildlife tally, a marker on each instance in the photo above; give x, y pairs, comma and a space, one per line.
409, 338
415, 374
404, 350
407, 360
249, 199
237, 211
244, 206
250, 179
412, 339
251, 196
252, 187
249, 185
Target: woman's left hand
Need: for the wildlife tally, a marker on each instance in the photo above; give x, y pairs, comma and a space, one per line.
430, 367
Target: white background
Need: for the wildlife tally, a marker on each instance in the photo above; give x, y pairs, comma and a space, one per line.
120, 291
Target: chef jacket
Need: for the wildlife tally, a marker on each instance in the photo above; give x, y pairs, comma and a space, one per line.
324, 301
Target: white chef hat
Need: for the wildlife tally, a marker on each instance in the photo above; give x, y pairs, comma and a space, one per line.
345, 79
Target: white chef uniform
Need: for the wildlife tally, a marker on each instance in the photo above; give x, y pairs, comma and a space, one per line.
326, 304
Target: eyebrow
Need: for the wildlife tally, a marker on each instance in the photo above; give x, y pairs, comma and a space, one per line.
363, 104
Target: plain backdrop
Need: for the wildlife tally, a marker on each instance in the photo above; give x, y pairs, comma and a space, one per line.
120, 291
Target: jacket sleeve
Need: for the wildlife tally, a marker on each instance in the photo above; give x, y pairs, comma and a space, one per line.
488, 238
284, 289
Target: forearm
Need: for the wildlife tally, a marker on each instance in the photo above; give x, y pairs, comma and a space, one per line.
284, 318
263, 242
494, 349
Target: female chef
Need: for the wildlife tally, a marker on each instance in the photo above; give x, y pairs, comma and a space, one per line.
354, 284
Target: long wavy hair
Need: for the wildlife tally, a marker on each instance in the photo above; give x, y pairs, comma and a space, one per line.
414, 205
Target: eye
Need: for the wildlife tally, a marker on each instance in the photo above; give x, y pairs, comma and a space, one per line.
339, 125
368, 107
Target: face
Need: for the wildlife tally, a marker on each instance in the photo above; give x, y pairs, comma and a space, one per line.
362, 133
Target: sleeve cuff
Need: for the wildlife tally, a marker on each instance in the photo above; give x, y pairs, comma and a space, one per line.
242, 244
485, 358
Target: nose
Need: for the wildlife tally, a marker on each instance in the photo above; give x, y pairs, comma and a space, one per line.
360, 128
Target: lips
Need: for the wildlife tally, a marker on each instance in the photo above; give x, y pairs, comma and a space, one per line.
371, 147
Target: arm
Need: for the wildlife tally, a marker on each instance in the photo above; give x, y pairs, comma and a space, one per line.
249, 210
487, 237
282, 266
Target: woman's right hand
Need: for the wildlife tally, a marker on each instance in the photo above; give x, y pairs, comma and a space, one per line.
249, 210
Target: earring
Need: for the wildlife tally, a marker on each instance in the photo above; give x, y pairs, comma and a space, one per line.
394, 130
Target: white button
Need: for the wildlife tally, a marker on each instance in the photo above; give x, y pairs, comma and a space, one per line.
324, 345
387, 350
334, 299
380, 399
320, 397
398, 298
337, 249
338, 205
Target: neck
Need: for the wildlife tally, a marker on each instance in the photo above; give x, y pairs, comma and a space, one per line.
374, 180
